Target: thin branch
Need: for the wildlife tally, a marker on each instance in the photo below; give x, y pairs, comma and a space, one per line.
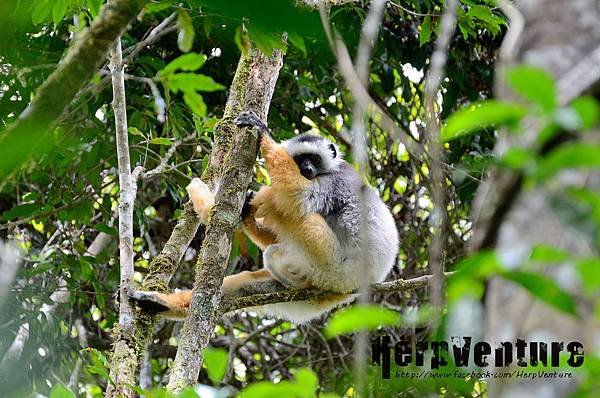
124, 361
411, 12
360, 93
438, 219
368, 38
276, 293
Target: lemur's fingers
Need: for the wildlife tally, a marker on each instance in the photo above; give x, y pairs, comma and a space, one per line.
247, 208
251, 119
202, 198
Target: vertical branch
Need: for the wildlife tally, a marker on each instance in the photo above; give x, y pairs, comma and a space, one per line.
368, 38
235, 152
438, 219
124, 361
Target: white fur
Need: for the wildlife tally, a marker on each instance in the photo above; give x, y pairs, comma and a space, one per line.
294, 148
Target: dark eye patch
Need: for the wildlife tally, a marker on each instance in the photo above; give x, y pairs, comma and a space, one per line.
315, 160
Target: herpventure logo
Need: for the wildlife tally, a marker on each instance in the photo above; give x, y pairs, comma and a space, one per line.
480, 354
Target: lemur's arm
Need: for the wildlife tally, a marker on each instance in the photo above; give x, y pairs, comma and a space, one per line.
283, 171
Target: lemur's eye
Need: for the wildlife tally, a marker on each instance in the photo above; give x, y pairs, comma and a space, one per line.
315, 160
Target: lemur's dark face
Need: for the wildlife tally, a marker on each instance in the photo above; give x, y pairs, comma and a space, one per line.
309, 164
314, 155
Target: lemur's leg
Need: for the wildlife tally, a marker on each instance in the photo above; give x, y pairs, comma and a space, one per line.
175, 305
202, 198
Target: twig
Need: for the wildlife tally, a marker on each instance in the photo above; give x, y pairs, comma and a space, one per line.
411, 12
159, 103
368, 38
160, 30
438, 219
360, 93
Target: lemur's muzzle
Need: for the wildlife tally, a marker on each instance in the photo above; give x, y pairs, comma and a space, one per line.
308, 170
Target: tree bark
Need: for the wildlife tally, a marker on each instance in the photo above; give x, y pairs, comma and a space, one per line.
32, 129
235, 150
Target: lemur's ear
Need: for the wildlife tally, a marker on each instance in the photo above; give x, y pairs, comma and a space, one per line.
333, 151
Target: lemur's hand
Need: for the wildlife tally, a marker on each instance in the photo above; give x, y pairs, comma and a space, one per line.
247, 205
251, 119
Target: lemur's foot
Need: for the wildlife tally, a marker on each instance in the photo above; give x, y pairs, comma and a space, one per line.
247, 204
149, 301
251, 119
202, 198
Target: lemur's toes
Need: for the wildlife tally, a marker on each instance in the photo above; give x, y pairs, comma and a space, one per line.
149, 301
247, 204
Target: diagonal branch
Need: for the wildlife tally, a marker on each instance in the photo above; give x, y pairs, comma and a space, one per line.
77, 67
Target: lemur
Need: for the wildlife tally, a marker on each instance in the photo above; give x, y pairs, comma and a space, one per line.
308, 225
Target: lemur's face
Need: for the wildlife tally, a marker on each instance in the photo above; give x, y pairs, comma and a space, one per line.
314, 155
309, 164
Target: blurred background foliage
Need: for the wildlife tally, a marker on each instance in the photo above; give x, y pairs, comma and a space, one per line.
57, 204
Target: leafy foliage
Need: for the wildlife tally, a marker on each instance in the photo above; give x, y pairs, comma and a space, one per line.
59, 203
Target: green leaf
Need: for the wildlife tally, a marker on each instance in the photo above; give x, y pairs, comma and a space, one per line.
307, 383
547, 254
192, 82
195, 102
20, 211
41, 10
265, 389
266, 41
161, 141
185, 28
543, 288
516, 158
360, 317
106, 229
135, 131
479, 115
534, 84
60, 391
216, 361
589, 271
568, 155
298, 42
425, 32
99, 364
59, 11
588, 110
187, 62
94, 7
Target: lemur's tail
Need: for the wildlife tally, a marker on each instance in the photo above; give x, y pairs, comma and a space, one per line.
299, 312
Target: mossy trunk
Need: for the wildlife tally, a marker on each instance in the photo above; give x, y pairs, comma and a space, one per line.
230, 169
